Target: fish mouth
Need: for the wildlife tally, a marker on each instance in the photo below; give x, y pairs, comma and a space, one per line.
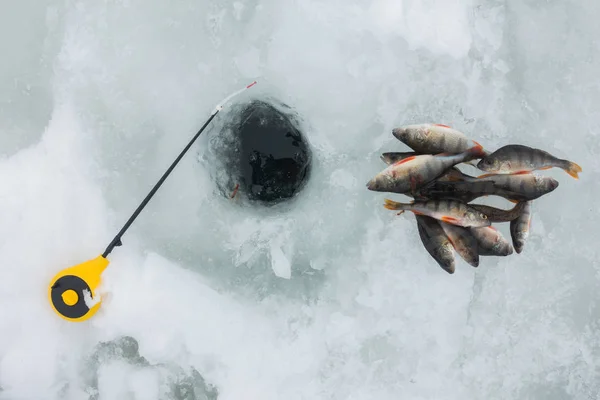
481, 223
445, 255
519, 244
473, 261
372, 185
505, 249
553, 184
399, 133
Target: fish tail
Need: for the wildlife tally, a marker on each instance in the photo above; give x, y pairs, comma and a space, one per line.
571, 168
394, 205
477, 150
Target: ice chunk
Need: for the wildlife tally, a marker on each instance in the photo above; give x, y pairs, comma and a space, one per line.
280, 263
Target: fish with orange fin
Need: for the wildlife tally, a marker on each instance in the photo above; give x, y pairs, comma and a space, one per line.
519, 158
520, 226
434, 139
436, 242
463, 241
450, 211
409, 174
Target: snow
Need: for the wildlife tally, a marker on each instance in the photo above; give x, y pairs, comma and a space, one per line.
330, 296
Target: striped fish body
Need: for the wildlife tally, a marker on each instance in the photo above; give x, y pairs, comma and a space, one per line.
499, 215
520, 226
436, 242
409, 174
463, 242
465, 191
518, 158
518, 187
458, 189
434, 138
450, 211
529, 185
490, 242
433, 194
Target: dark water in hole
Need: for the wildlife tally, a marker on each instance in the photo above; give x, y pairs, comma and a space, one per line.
266, 153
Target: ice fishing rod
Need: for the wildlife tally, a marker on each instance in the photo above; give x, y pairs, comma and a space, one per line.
72, 292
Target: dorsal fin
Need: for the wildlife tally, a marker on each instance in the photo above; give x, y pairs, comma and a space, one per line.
405, 160
442, 125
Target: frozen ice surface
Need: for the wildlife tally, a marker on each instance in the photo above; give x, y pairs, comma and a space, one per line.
97, 98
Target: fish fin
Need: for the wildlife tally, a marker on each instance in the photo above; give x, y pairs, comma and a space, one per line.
442, 125
572, 169
451, 242
392, 205
450, 220
405, 160
389, 156
544, 168
486, 176
417, 212
513, 201
523, 172
477, 149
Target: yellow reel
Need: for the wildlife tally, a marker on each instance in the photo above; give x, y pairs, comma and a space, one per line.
68, 288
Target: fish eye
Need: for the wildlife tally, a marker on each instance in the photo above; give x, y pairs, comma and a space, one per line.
483, 216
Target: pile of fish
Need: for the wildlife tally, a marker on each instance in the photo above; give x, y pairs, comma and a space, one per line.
447, 221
